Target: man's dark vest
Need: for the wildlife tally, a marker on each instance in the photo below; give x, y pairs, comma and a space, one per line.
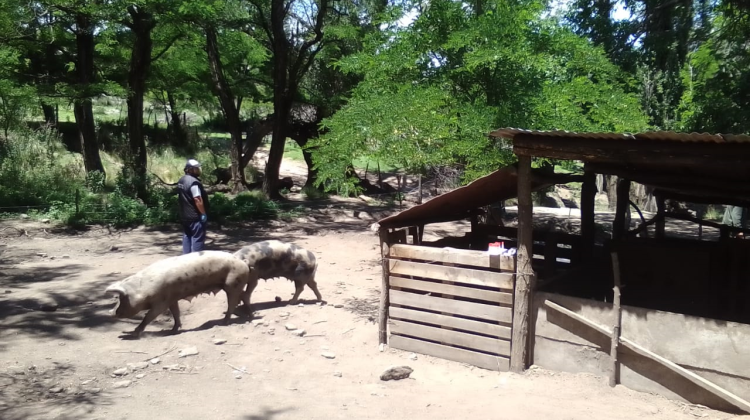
188, 210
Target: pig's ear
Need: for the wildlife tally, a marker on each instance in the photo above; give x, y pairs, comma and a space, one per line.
116, 288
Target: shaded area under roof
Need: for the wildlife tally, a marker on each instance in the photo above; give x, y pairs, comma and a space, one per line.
698, 167
655, 136
461, 202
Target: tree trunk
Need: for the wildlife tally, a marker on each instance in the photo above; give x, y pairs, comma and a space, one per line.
255, 133
226, 98
312, 174
83, 108
278, 141
281, 98
49, 114
611, 181
176, 119
84, 114
140, 64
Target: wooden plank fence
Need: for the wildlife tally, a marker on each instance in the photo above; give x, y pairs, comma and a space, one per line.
451, 303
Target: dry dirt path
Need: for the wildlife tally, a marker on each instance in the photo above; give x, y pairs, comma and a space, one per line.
60, 364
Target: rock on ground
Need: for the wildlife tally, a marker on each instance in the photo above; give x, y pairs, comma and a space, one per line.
396, 373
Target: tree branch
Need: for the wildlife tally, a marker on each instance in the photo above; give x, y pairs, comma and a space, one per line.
301, 63
169, 45
263, 22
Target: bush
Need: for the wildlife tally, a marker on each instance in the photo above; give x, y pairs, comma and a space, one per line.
36, 170
252, 205
313, 193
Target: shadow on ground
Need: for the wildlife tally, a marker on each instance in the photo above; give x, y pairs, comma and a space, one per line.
17, 278
265, 414
47, 392
56, 315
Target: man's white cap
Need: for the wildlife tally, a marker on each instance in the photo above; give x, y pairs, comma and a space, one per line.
192, 163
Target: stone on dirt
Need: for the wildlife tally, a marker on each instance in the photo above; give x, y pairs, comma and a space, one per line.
155, 361
219, 341
138, 366
290, 327
396, 373
120, 372
48, 306
189, 351
328, 355
121, 384
299, 333
56, 390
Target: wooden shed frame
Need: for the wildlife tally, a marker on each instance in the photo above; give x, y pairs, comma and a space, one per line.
700, 168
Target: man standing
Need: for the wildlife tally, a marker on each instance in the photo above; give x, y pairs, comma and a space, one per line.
193, 202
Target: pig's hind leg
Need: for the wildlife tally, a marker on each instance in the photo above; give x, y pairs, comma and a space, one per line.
175, 310
305, 276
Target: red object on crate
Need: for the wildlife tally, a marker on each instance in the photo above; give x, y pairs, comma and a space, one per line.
495, 248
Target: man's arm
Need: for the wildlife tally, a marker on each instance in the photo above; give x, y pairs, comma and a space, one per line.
198, 199
199, 203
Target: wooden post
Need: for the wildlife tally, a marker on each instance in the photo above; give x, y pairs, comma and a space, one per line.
618, 318
384, 298
550, 255
660, 219
525, 278
398, 191
78, 201
419, 197
623, 204
414, 233
588, 224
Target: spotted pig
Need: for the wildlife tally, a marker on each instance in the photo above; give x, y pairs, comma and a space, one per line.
269, 259
162, 284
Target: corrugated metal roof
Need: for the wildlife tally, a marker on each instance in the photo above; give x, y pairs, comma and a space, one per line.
510, 133
455, 205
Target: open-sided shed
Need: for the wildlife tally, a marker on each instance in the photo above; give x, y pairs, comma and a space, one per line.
685, 315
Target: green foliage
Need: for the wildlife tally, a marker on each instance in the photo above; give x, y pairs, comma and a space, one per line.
15, 102
432, 92
312, 193
717, 77
253, 206
41, 178
35, 170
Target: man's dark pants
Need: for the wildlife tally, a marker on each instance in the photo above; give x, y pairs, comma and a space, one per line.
194, 235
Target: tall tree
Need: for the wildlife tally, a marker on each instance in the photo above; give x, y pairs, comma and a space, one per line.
141, 24
84, 23
293, 34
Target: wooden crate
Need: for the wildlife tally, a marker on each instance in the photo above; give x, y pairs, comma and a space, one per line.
451, 303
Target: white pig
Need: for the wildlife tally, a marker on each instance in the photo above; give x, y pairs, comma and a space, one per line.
162, 284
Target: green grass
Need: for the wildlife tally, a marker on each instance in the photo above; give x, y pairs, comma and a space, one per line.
714, 213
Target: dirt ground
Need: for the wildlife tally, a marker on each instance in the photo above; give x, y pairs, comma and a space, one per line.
60, 349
